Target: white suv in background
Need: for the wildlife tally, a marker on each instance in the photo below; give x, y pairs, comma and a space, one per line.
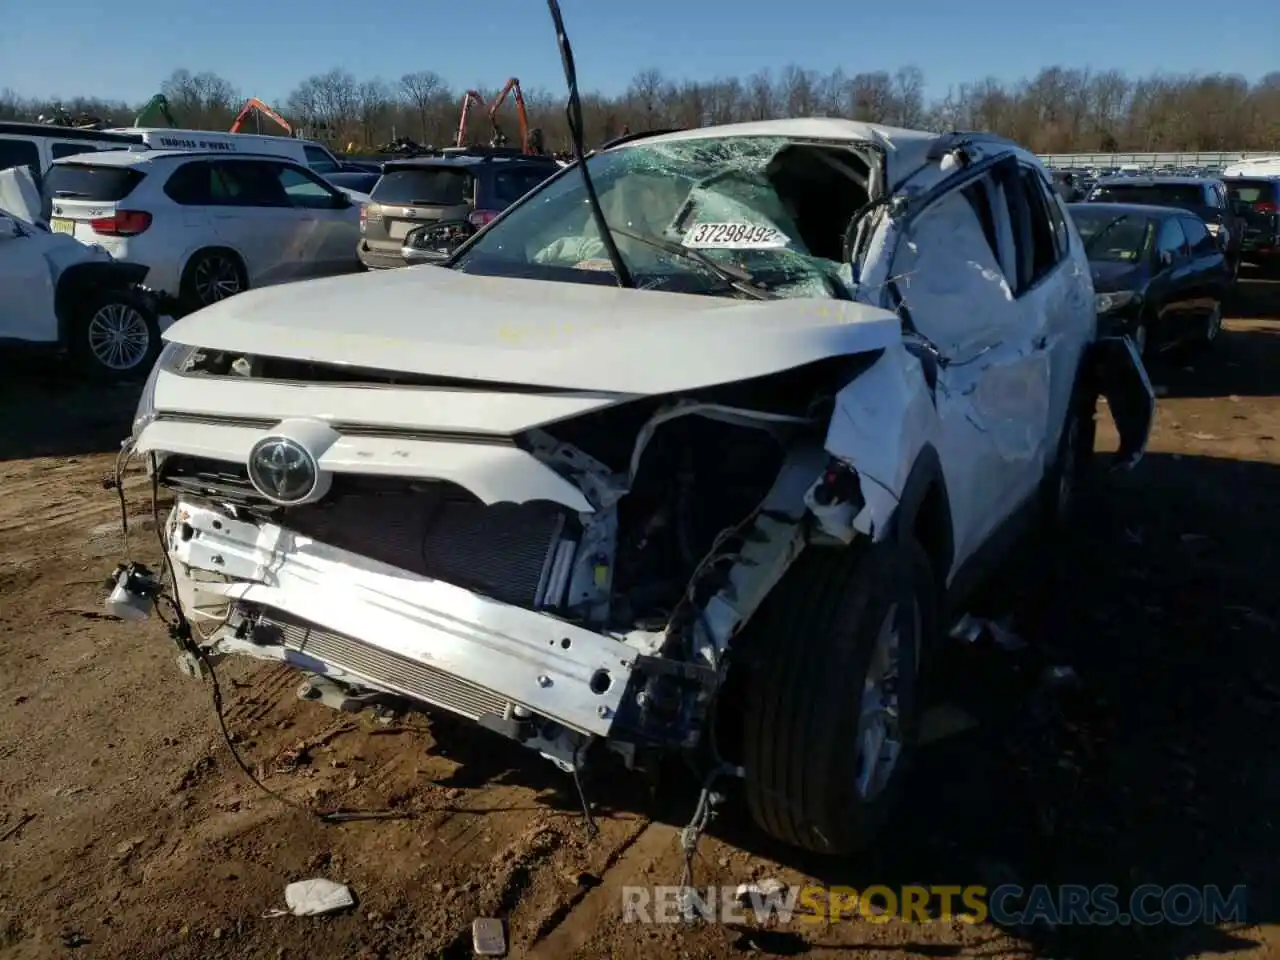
208, 225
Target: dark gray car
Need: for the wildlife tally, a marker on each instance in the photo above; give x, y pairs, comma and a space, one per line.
441, 189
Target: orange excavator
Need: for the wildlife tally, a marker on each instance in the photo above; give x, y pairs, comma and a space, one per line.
529, 141
254, 105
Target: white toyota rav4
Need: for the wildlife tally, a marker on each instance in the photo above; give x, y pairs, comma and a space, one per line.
716, 479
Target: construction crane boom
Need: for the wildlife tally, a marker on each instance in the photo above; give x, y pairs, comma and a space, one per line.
252, 105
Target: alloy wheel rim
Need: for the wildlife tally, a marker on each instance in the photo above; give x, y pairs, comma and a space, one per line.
1215, 323
880, 738
118, 336
1140, 339
216, 279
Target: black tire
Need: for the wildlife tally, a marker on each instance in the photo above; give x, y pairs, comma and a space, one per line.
115, 337
210, 276
810, 645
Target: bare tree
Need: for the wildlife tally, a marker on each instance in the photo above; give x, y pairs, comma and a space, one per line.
1060, 109
421, 90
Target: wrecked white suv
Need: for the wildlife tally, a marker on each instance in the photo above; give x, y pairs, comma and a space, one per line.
717, 486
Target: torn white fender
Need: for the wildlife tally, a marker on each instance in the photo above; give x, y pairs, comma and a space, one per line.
880, 423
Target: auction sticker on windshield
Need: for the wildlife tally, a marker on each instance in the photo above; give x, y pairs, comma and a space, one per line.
735, 236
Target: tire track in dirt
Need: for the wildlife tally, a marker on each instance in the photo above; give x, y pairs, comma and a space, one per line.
265, 693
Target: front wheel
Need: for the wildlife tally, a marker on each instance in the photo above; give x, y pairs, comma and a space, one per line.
116, 337
832, 705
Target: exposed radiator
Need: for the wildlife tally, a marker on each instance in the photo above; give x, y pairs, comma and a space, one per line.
503, 551
389, 670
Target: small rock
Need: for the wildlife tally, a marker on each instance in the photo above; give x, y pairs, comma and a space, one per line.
217, 933
337, 763
352, 782
184, 931
373, 916
437, 887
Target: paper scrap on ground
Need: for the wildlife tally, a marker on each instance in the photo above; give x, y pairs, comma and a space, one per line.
310, 898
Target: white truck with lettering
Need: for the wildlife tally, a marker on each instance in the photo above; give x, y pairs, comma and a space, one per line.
307, 152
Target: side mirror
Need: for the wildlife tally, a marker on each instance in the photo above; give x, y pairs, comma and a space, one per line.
435, 242
342, 202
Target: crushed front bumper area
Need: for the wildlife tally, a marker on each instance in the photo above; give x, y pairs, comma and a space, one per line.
261, 590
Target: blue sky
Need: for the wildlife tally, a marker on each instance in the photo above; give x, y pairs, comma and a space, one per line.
125, 48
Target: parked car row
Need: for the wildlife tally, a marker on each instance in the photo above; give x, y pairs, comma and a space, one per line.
1204, 197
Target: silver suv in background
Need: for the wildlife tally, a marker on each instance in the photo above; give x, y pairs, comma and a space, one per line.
471, 186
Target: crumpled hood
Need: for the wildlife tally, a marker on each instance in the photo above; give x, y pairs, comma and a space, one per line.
433, 321
19, 195
1109, 277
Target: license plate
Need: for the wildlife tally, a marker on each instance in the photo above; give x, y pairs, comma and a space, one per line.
62, 225
396, 229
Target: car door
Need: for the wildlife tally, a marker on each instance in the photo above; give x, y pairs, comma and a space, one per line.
1206, 270
992, 390
26, 306
251, 214
329, 227
1173, 282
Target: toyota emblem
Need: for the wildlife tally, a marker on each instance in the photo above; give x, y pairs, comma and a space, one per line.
282, 470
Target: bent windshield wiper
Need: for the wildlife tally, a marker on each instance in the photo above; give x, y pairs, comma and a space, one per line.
736, 277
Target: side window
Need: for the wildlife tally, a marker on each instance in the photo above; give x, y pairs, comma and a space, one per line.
1198, 238
979, 197
246, 183
191, 184
19, 153
948, 277
304, 189
1215, 196
1057, 220
318, 160
1172, 240
63, 149
1044, 245
510, 185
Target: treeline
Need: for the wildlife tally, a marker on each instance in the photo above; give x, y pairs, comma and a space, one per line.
1059, 110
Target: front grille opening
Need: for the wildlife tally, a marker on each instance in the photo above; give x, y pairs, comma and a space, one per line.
428, 528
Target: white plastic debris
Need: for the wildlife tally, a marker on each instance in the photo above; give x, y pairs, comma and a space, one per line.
310, 898
488, 938
771, 887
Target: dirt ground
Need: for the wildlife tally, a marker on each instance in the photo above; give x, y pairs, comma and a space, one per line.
127, 831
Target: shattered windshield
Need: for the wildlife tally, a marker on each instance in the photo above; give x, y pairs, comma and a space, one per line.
773, 207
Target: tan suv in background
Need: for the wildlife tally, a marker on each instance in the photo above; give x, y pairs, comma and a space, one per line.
472, 185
